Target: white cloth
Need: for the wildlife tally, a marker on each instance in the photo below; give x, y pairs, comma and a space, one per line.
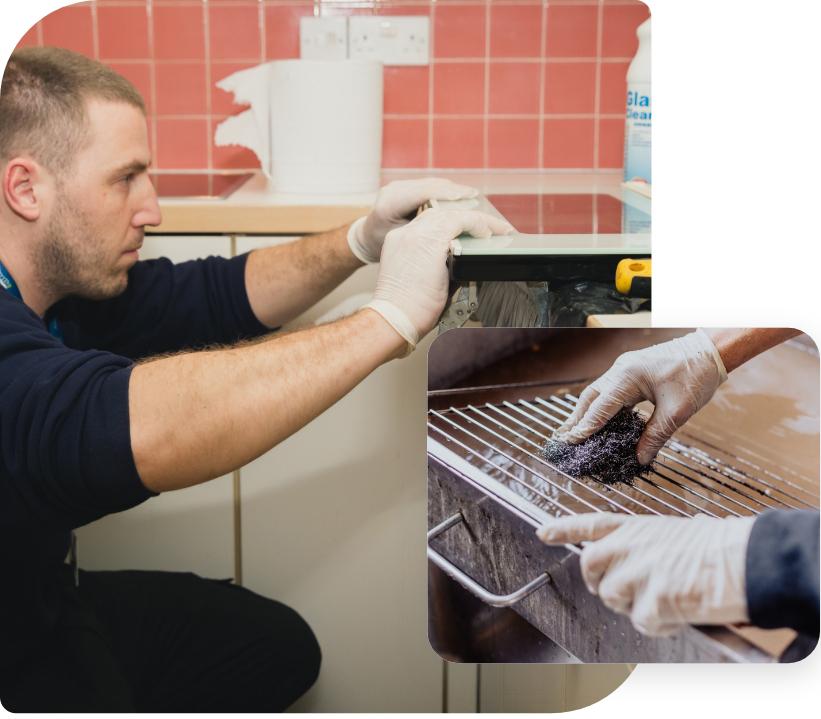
664, 572
395, 204
679, 377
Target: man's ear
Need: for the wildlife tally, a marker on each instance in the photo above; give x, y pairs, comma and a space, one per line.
25, 187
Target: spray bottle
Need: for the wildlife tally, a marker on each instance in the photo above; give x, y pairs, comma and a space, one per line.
638, 124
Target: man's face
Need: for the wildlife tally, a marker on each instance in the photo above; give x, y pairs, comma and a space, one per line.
95, 227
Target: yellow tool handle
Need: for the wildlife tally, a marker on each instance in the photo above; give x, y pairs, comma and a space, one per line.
633, 277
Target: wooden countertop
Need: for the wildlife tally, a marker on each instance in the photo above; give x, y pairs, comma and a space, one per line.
638, 319
234, 219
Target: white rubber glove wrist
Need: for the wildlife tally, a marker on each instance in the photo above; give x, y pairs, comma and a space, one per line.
397, 319
726, 600
412, 285
702, 339
355, 242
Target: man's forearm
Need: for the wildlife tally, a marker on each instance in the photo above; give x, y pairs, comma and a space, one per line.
285, 280
737, 346
199, 415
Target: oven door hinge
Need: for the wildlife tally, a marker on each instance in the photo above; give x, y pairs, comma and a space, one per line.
462, 304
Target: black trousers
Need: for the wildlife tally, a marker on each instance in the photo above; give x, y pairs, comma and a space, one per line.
165, 641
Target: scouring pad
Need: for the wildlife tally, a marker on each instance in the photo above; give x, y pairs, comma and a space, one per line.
609, 455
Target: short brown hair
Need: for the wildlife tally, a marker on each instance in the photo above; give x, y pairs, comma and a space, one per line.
42, 103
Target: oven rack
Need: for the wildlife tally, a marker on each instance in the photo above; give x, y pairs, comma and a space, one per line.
690, 476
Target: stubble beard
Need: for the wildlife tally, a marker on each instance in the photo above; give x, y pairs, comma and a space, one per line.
70, 260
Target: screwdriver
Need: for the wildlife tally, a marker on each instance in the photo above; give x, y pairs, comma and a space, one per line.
633, 277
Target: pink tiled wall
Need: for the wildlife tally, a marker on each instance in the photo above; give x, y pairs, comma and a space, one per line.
521, 84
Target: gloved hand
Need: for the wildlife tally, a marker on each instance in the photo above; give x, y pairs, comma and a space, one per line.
664, 572
679, 377
395, 206
412, 285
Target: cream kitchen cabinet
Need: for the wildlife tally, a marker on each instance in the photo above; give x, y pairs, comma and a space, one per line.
551, 688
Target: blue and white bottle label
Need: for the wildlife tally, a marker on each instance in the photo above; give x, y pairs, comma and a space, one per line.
637, 132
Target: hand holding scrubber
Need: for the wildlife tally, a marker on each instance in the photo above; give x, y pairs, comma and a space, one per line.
664, 572
412, 285
395, 205
679, 377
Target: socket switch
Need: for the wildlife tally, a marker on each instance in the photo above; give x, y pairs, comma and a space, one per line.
395, 40
323, 38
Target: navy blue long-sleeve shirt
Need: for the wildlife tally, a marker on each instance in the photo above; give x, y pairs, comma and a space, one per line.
782, 570
65, 447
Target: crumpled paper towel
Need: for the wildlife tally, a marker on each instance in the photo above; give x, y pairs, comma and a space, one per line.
315, 125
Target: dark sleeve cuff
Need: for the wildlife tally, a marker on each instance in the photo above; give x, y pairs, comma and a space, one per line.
115, 482
782, 570
248, 324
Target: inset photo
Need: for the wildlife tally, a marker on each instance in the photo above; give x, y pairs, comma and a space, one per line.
623, 495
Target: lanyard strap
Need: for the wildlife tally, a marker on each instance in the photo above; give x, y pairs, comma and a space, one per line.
7, 283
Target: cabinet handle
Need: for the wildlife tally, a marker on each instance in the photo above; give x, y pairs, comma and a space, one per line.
494, 600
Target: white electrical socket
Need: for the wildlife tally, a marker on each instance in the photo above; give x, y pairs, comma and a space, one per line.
323, 38
393, 39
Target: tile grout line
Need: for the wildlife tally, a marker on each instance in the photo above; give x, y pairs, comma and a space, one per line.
262, 39
542, 81
209, 129
433, 61
485, 122
597, 92
263, 50
95, 31
152, 80
447, 116
431, 75
454, 169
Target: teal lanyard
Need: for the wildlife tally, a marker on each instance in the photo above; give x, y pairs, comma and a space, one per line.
7, 283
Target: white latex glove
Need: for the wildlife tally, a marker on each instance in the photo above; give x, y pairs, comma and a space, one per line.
412, 285
664, 572
395, 206
679, 377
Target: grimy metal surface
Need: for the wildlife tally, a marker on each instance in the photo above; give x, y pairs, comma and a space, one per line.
485, 462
